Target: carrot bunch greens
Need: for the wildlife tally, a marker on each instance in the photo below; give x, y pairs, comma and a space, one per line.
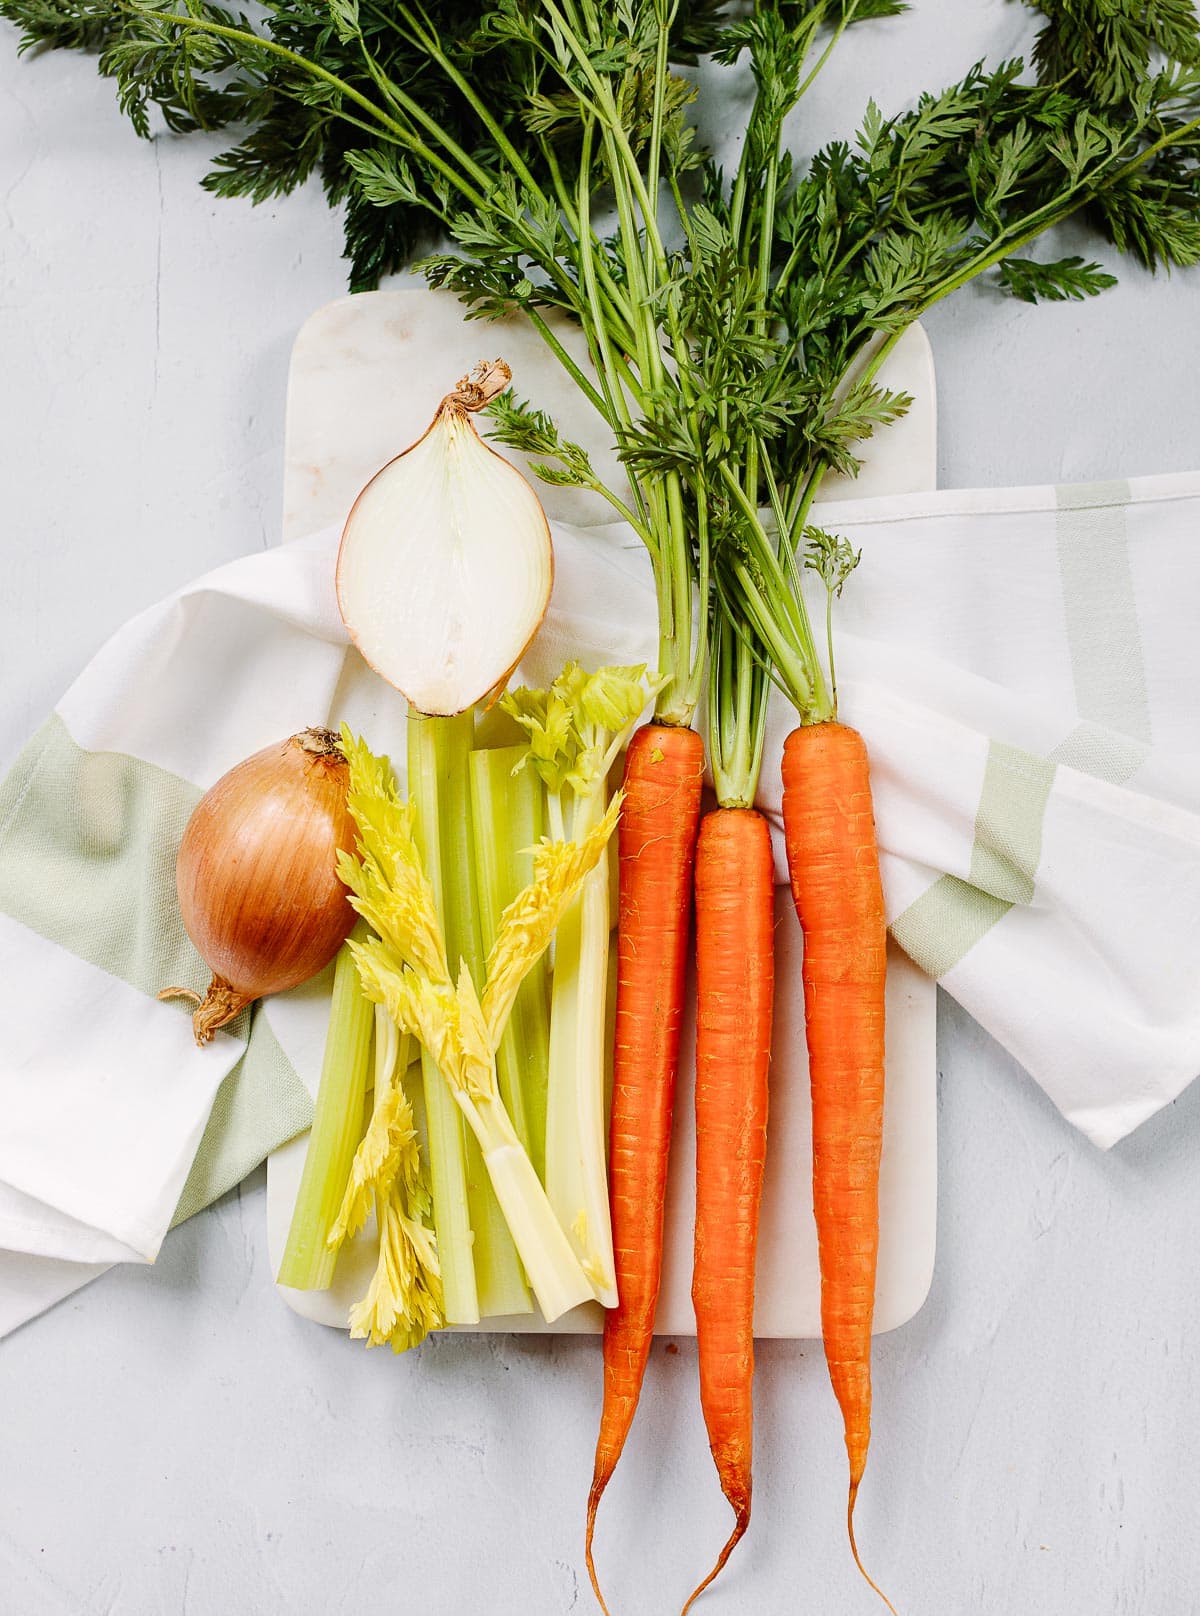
553, 144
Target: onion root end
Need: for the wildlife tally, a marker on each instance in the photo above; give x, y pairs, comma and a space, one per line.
219, 1006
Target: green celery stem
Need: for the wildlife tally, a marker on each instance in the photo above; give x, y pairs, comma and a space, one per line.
509, 820
308, 1263
558, 1282
498, 1273
445, 1126
481, 1272
576, 1174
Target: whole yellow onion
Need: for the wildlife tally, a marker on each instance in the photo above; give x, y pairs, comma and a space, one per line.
257, 875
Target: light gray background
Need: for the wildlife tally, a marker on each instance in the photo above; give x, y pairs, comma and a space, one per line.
173, 1439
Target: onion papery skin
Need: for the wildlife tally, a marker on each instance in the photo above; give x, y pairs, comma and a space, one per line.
446, 563
257, 876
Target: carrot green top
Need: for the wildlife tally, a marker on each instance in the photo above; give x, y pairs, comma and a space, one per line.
734, 324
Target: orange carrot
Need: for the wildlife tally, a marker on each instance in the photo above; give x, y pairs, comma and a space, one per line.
735, 962
833, 861
657, 841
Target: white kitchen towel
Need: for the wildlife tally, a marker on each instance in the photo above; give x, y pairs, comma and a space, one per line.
1021, 662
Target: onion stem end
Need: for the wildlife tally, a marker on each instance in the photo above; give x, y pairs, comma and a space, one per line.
218, 1007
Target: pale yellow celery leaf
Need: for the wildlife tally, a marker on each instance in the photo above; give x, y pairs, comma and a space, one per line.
611, 703
610, 698
569, 687
404, 1299
413, 1179
589, 770
549, 722
371, 777
384, 1150
386, 981
405, 918
439, 1030
380, 813
427, 1010
571, 726
478, 1052
388, 882
374, 1317
529, 922
531, 708
401, 910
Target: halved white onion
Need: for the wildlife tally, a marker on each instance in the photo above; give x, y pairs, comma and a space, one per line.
446, 566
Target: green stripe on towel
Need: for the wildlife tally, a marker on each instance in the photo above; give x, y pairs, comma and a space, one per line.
1008, 824
87, 861
950, 917
1101, 752
1103, 633
1111, 742
87, 858
261, 1104
945, 923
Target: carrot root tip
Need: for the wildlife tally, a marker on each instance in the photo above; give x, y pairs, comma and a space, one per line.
867, 1577
591, 1569
741, 1522
600, 1481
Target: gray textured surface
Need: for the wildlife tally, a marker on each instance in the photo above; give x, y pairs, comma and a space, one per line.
174, 1439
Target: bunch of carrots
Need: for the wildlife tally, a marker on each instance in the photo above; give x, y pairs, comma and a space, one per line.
668, 854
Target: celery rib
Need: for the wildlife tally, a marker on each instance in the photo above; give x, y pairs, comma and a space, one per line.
509, 820
406, 968
576, 730
576, 1155
308, 1262
498, 1271
500, 1283
444, 1121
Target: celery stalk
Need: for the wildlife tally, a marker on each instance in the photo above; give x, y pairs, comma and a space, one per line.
576, 1179
576, 730
444, 1120
498, 1272
500, 1283
405, 967
392, 1050
308, 1263
509, 819
554, 1273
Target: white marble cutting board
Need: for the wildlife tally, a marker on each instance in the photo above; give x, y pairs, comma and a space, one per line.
367, 372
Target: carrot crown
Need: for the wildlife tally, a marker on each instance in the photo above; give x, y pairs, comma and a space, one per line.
760, 576
739, 681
